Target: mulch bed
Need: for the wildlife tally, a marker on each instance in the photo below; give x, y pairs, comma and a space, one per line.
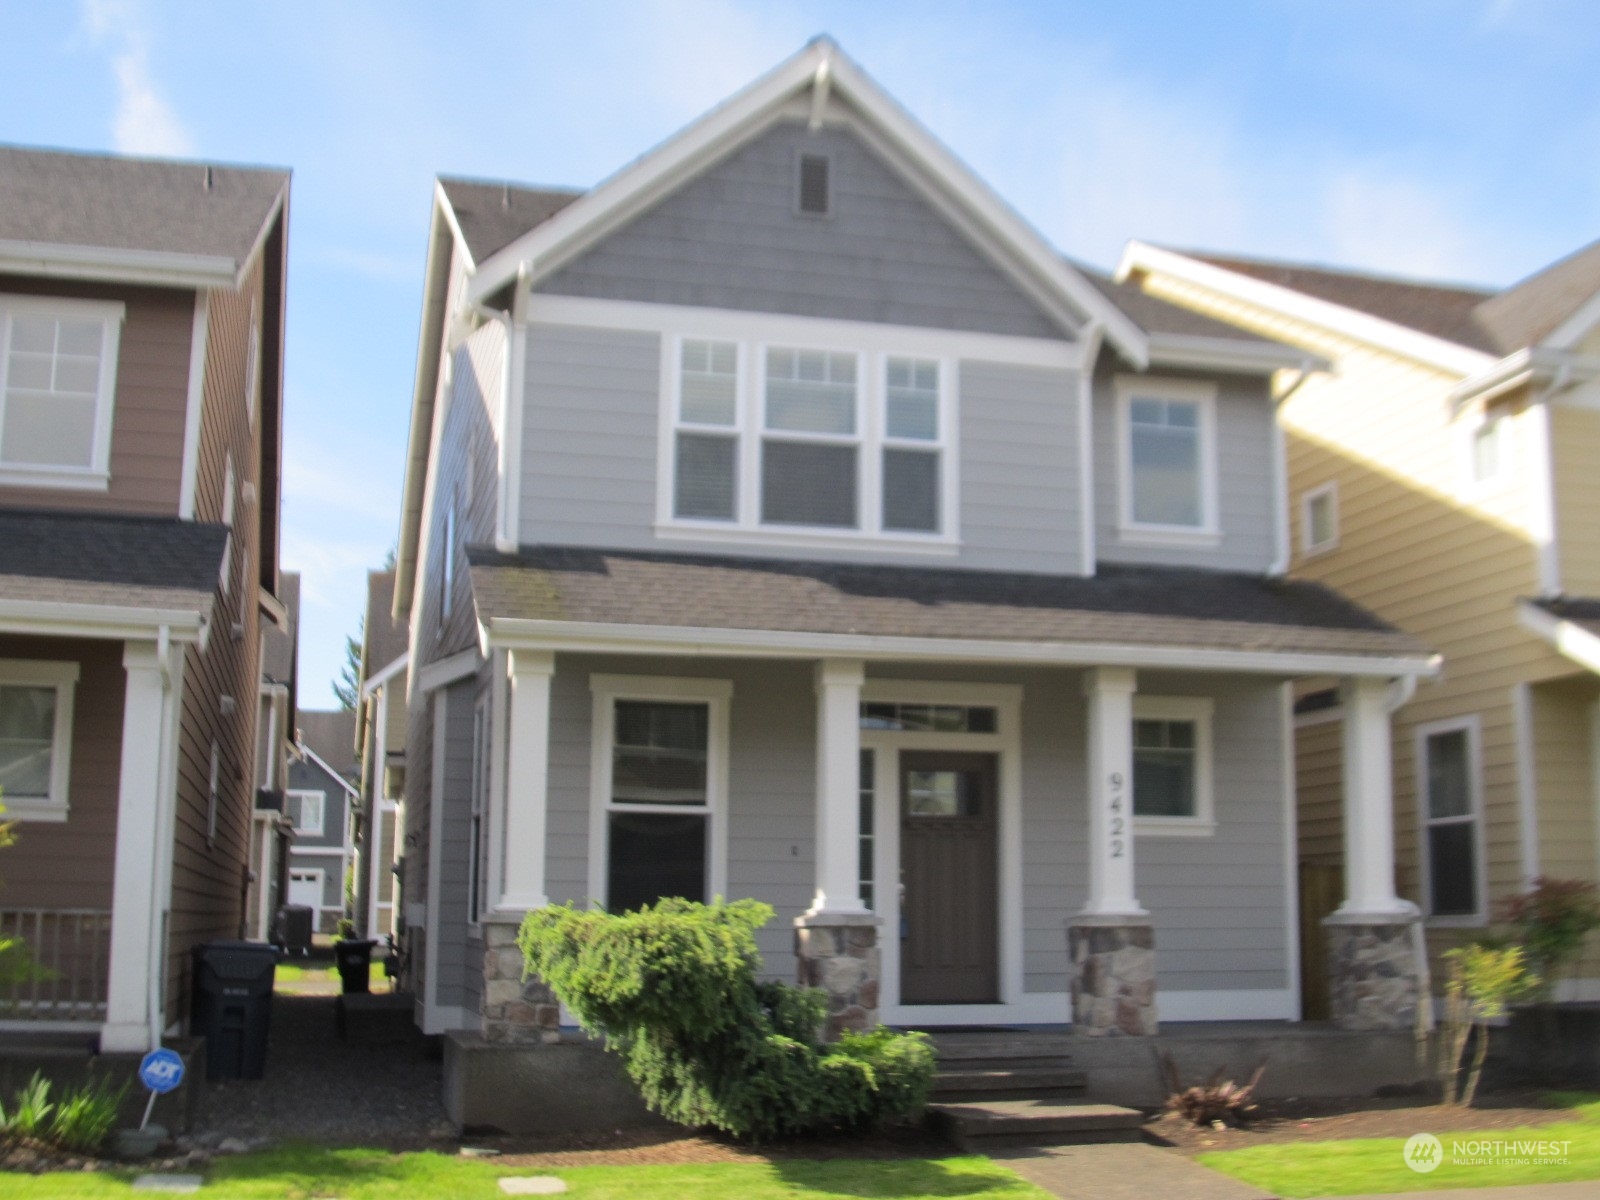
641, 1147
1292, 1120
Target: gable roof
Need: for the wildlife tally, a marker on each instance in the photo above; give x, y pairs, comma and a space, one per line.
330, 735
147, 220
490, 216
1527, 313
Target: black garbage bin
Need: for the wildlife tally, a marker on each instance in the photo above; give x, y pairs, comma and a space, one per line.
294, 928
232, 1006
355, 964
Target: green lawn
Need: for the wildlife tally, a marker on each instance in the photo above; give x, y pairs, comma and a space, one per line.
297, 973
305, 1172
1374, 1165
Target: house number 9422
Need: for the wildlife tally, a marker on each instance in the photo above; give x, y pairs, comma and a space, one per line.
1117, 825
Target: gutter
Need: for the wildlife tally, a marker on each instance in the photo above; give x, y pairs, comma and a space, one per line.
161, 268
1559, 369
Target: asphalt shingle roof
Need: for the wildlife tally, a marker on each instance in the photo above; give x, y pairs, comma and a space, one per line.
384, 639
493, 215
139, 204
1121, 605
85, 558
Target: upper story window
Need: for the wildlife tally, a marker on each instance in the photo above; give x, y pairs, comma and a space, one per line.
307, 808
58, 367
1487, 450
252, 365
1167, 435
36, 737
794, 441
814, 185
1319, 519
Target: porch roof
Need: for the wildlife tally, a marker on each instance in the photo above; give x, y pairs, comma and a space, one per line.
546, 589
57, 568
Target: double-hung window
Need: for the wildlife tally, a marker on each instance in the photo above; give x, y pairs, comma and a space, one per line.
1168, 459
1172, 765
1451, 815
660, 780
36, 737
790, 441
308, 812
58, 367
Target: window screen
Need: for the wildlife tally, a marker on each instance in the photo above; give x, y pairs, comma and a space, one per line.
27, 741
911, 491
655, 855
808, 483
708, 477
1164, 769
815, 191
659, 753
52, 391
1164, 449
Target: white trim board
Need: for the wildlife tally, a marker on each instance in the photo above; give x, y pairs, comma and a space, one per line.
1471, 725
190, 474
307, 752
446, 671
1569, 638
585, 636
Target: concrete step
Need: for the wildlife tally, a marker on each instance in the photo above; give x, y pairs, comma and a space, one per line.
1007, 1083
982, 1125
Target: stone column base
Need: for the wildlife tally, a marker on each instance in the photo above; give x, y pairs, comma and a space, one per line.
1372, 972
1113, 965
838, 952
514, 1009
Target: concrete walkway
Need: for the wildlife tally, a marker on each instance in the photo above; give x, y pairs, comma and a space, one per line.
1123, 1171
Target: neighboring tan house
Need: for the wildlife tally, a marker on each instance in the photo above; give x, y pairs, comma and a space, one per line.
380, 747
785, 518
141, 366
1445, 472
270, 828
322, 804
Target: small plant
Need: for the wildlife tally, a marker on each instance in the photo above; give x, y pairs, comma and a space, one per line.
85, 1116
673, 989
345, 930
1484, 979
1215, 1100
1552, 919
30, 1112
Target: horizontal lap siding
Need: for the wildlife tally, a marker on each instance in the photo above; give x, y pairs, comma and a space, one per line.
454, 810
1575, 438
731, 238
69, 864
1219, 903
1563, 731
150, 402
1246, 499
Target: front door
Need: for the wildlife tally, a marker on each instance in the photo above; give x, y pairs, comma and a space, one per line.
948, 859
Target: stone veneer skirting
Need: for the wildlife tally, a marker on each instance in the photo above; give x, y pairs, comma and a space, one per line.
1372, 977
838, 952
1113, 964
514, 1009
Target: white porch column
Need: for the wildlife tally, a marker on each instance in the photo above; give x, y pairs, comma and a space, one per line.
1110, 692
137, 872
527, 779
838, 787
1368, 804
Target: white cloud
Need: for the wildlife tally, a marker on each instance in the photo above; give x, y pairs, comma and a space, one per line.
144, 123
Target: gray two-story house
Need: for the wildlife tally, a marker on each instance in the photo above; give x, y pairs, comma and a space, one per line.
785, 518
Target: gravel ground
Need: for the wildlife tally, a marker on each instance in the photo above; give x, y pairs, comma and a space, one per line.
318, 1088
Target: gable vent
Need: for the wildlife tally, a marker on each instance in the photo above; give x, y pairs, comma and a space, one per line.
814, 191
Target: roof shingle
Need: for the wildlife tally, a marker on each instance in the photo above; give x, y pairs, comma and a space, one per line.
133, 562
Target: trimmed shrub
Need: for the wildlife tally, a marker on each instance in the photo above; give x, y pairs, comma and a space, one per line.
673, 990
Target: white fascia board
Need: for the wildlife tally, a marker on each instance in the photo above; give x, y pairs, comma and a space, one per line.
1570, 639
382, 676
100, 620
446, 671
1537, 364
1226, 354
619, 198
445, 209
520, 633
1336, 318
307, 752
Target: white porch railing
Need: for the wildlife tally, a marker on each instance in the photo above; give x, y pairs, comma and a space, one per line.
69, 949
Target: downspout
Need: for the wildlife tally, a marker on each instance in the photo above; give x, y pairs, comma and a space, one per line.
156, 951
1280, 476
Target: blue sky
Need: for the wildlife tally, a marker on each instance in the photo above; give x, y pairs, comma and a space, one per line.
1454, 139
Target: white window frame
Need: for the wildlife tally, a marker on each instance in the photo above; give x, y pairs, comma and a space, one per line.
63, 676
252, 365
322, 811
606, 691
212, 794
1198, 710
229, 491
872, 350
447, 573
1204, 396
111, 313
1498, 422
1310, 548
1472, 726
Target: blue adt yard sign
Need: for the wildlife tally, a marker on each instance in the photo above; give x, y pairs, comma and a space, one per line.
161, 1071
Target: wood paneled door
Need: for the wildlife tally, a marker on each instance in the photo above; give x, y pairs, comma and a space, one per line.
948, 863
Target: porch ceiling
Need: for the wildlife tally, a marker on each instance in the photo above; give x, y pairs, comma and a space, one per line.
1138, 607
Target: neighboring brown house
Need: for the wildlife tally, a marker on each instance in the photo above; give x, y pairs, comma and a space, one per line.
271, 826
381, 748
141, 367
